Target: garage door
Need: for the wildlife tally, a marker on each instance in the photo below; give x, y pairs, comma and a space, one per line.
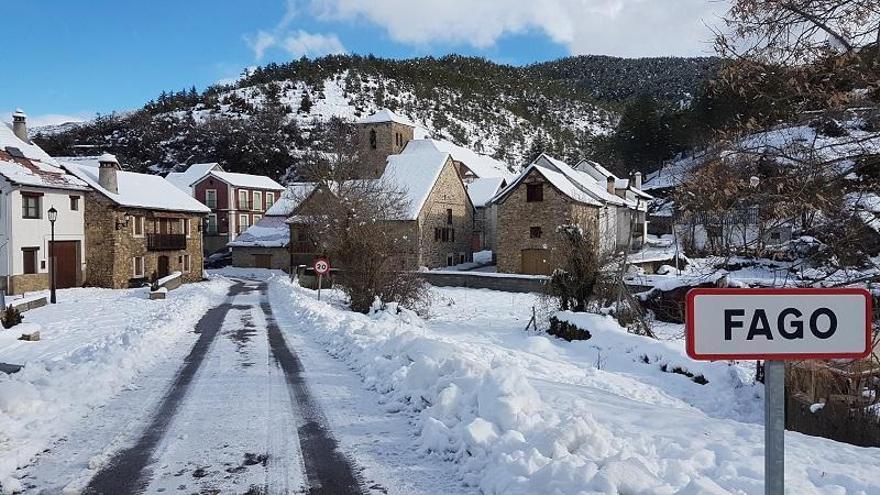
67, 265
536, 262
263, 260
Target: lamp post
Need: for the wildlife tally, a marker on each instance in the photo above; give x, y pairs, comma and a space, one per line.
53, 215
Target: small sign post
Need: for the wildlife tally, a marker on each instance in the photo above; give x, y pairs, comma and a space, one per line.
321, 267
776, 325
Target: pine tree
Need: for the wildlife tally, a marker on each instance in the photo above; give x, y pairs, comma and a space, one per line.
305, 103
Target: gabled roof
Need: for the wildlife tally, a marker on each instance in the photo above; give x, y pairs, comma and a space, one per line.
290, 199
243, 180
385, 115
601, 174
483, 190
134, 190
482, 166
24, 163
183, 180
415, 170
269, 231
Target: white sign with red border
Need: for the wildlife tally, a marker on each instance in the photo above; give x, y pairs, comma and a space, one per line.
778, 324
321, 266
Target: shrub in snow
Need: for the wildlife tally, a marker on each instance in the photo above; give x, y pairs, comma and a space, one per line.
11, 317
566, 330
572, 284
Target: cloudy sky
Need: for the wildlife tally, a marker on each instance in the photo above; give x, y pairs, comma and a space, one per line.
67, 60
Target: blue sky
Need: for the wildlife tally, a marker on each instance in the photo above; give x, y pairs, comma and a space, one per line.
68, 59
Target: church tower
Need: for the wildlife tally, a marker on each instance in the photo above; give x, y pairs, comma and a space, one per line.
381, 134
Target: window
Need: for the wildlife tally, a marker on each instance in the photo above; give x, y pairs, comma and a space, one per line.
444, 234
270, 199
257, 218
211, 224
534, 192
184, 226
137, 226
373, 138
74, 203
535, 232
242, 223
29, 259
30, 205
258, 201
185, 263
775, 236
449, 216
243, 200
211, 198
450, 260
137, 266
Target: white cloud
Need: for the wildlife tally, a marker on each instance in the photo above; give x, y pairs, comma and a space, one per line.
297, 44
615, 27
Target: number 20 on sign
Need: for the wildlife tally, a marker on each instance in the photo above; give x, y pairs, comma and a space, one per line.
776, 325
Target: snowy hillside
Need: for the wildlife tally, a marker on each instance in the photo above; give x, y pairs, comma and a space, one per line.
274, 115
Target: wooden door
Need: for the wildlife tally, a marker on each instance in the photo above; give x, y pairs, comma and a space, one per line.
162, 268
66, 263
535, 262
263, 260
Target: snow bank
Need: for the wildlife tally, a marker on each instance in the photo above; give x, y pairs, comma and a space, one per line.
94, 343
520, 413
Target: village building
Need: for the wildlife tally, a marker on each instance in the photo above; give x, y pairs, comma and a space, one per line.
31, 184
266, 244
138, 227
481, 191
548, 195
237, 201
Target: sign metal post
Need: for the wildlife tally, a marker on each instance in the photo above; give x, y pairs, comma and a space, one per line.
321, 267
777, 325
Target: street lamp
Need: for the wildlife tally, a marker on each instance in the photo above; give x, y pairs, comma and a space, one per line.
53, 215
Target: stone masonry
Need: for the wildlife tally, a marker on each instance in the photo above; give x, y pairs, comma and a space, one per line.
110, 251
449, 193
389, 139
516, 217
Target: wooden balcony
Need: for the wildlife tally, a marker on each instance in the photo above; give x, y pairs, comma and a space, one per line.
166, 242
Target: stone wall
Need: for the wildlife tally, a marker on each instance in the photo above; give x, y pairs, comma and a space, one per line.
449, 193
373, 159
246, 257
516, 217
474, 280
110, 251
19, 284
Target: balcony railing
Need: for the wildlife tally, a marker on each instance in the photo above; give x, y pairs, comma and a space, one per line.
166, 242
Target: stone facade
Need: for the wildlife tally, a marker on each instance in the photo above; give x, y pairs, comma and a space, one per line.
449, 195
19, 284
377, 141
112, 245
277, 258
517, 218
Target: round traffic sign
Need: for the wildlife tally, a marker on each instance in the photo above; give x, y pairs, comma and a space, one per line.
322, 266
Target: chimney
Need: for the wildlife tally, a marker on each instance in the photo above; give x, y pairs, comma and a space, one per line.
610, 185
637, 179
108, 165
19, 125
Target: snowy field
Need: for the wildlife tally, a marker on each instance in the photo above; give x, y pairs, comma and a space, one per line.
94, 343
519, 412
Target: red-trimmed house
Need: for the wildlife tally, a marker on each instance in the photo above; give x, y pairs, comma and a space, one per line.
237, 201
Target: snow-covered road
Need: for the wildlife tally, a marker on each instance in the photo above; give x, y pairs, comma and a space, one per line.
239, 411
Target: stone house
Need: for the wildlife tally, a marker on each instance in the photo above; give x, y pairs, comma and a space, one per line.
266, 244
138, 226
32, 183
237, 201
550, 194
481, 191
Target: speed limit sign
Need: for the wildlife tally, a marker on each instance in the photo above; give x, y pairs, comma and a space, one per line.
322, 266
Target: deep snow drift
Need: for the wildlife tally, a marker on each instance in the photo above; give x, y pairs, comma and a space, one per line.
519, 412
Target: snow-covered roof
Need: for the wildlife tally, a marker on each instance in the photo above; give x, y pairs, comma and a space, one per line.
134, 190
482, 190
26, 164
269, 231
290, 199
244, 180
385, 115
183, 180
596, 170
482, 166
415, 170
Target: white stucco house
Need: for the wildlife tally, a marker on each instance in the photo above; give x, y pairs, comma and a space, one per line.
32, 182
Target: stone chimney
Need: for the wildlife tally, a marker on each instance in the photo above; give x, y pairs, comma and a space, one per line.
19, 125
610, 186
637, 180
108, 165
